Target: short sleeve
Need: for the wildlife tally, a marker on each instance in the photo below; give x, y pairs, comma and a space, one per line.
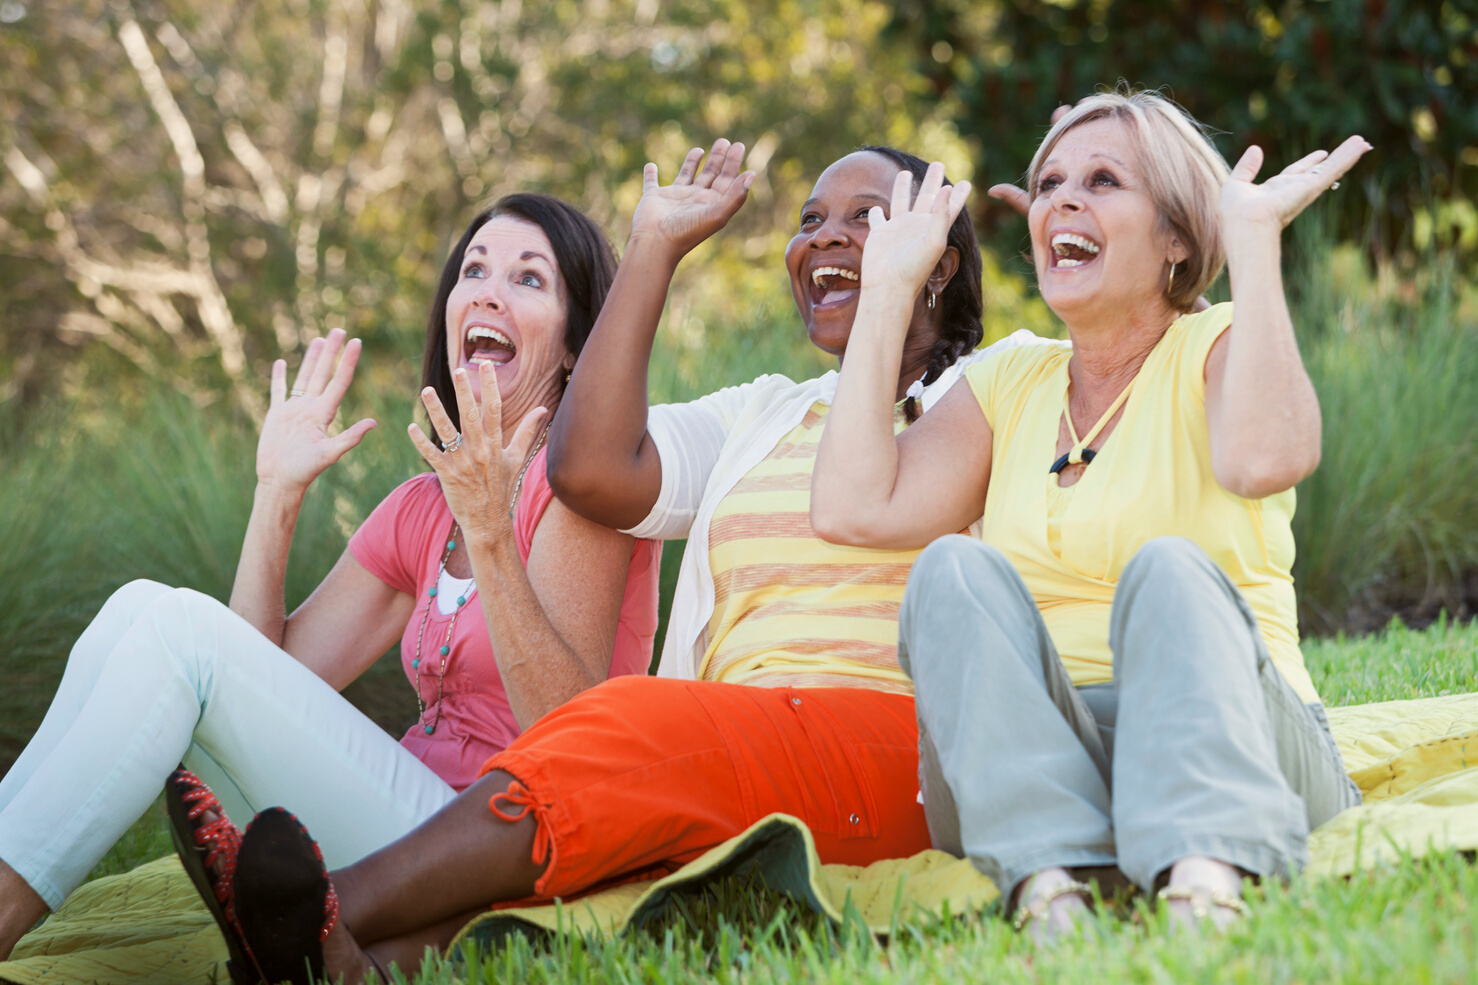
391, 543
984, 378
1199, 333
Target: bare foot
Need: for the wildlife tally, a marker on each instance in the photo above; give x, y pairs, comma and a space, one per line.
1201, 889
1055, 910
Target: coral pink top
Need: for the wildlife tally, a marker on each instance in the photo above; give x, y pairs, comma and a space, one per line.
401, 544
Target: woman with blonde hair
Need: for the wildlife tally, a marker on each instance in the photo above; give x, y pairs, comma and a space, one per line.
1112, 677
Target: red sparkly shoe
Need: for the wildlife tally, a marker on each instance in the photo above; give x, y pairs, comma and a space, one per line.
200, 847
285, 903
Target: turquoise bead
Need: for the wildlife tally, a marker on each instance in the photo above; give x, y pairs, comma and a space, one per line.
416, 664
445, 650
451, 545
430, 729
431, 592
461, 600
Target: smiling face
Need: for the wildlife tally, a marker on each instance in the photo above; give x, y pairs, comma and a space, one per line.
507, 313
1097, 240
825, 257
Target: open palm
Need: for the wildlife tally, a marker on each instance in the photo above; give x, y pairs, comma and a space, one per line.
297, 442
698, 203
903, 247
1277, 201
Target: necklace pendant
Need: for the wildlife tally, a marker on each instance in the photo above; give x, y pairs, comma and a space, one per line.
430, 729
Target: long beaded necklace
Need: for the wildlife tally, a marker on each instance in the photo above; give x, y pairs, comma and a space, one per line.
445, 650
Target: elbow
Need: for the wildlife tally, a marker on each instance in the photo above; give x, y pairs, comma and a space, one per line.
574, 481
1260, 476
834, 525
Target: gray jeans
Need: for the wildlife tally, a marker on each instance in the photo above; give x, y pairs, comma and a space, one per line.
1198, 747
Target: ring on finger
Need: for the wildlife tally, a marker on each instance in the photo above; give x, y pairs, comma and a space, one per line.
295, 392
455, 443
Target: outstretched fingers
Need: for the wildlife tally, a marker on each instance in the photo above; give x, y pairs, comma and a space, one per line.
328, 359
690, 167
1306, 163
441, 421
1344, 157
1248, 164
492, 405
527, 433
929, 187
717, 157
344, 375
902, 193
959, 194
305, 368
351, 436
1013, 195
277, 391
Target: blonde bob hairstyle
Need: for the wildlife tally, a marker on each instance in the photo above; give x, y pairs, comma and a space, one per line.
1183, 174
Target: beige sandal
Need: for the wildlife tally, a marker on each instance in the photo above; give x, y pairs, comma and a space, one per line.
1026, 914
1200, 898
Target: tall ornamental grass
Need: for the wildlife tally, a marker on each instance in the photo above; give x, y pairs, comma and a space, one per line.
1389, 521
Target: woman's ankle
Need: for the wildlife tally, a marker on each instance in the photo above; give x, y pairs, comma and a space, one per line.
20, 908
1207, 873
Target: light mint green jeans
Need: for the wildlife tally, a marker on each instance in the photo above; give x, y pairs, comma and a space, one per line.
1198, 747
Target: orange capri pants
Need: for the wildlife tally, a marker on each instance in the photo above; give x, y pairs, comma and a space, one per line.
643, 772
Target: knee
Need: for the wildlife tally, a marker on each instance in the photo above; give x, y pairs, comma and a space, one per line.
950, 567
1166, 557
136, 596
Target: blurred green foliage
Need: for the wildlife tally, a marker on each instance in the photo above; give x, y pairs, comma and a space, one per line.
1289, 75
192, 189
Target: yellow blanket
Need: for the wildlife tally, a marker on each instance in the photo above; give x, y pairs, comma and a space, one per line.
1416, 761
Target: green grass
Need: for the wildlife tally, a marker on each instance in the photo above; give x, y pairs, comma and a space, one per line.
1412, 922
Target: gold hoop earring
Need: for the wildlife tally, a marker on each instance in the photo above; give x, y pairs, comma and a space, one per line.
931, 300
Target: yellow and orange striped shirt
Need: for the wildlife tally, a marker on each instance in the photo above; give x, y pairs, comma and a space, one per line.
791, 610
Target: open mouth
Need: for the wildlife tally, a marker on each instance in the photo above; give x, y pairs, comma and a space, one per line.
488, 345
833, 285
1073, 250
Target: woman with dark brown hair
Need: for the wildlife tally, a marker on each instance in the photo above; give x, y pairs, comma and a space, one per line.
505, 603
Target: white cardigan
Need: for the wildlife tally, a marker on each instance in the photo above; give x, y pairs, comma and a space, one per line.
706, 446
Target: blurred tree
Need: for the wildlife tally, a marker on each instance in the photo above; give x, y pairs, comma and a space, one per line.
1290, 75
199, 186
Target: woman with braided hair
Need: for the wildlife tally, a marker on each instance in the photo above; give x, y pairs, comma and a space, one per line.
779, 688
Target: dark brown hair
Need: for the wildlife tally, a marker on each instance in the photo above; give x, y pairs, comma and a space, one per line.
585, 259
960, 303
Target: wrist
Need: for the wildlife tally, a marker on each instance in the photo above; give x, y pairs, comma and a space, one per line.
276, 492
656, 252
887, 299
1248, 232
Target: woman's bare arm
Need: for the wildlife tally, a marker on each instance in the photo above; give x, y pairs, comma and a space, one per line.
1261, 409
870, 489
294, 449
350, 619
602, 464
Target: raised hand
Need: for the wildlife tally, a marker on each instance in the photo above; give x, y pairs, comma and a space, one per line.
296, 446
1276, 202
903, 247
479, 475
697, 204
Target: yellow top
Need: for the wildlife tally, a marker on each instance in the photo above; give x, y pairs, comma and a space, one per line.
1151, 479
791, 610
